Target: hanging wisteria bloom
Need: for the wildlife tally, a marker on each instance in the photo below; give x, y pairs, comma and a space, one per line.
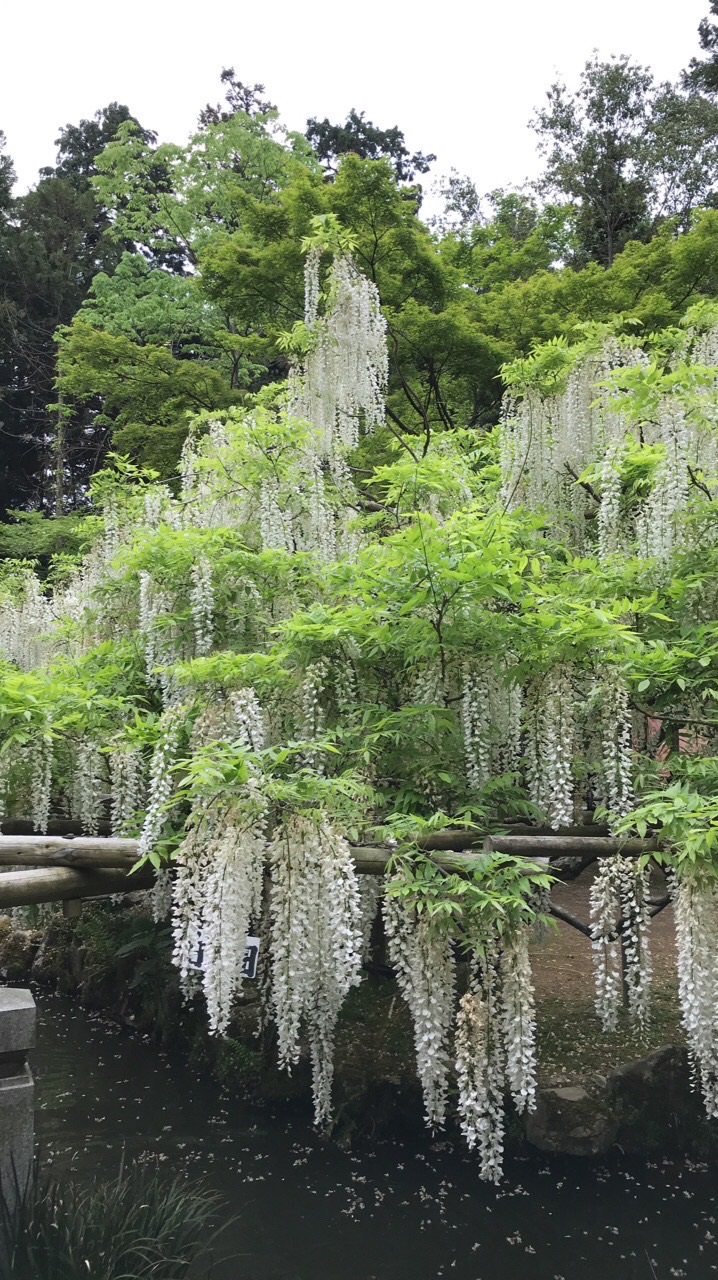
616, 730
89, 784
219, 867
316, 943
480, 1073
127, 787
550, 733
233, 898
518, 1017
342, 381
202, 605
620, 939
423, 959
41, 753
695, 903
161, 778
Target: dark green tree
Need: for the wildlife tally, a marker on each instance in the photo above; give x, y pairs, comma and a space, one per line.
52, 244
238, 97
7, 177
702, 73
593, 143
359, 137
79, 145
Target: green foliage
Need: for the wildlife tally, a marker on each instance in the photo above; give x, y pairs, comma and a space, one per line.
30, 536
141, 1225
496, 894
684, 813
359, 137
147, 393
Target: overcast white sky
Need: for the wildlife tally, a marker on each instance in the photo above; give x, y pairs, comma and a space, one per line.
461, 78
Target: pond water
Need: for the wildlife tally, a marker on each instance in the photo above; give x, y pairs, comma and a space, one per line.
305, 1210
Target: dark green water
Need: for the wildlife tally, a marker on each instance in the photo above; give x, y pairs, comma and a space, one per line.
307, 1211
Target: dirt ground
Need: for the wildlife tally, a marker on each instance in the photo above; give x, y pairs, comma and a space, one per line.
562, 963
571, 1040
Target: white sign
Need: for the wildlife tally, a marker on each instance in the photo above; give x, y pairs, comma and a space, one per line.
250, 959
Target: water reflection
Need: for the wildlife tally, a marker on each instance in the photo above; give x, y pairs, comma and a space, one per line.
396, 1211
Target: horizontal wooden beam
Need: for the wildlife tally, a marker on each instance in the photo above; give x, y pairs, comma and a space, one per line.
61, 851
469, 838
561, 846
64, 884
64, 874
452, 849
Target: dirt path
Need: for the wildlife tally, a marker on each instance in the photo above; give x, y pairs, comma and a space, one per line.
562, 964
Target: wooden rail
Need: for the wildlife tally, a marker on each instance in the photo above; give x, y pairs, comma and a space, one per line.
61, 851
67, 868
567, 846
103, 851
64, 884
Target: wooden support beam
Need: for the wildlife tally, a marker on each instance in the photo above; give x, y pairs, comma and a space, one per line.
560, 846
468, 838
63, 884
454, 850
68, 871
60, 851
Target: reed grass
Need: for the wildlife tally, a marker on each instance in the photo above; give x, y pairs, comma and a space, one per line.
140, 1226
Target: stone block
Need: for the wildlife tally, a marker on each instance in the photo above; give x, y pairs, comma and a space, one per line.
574, 1120
17, 1021
17, 1092
16, 1132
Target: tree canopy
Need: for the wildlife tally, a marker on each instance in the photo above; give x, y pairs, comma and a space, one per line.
343, 529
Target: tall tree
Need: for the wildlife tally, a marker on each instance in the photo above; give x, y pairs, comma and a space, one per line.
7, 176
593, 143
628, 153
79, 145
702, 73
238, 97
359, 137
52, 244
680, 153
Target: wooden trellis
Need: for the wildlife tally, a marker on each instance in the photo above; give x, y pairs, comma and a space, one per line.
66, 868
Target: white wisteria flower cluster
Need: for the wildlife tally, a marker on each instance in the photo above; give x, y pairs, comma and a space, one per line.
127, 787
89, 785
695, 904
490, 711
551, 440
341, 384
423, 959
316, 939
550, 724
493, 1028
620, 939
161, 781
